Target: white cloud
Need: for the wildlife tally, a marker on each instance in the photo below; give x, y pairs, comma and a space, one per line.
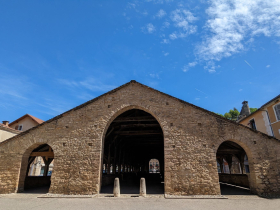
165, 25
193, 64
182, 20
173, 36
211, 67
233, 23
197, 99
165, 41
267, 66
185, 68
166, 54
161, 13
149, 28
156, 76
190, 65
240, 90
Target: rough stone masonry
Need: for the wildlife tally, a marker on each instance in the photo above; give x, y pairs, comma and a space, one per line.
191, 136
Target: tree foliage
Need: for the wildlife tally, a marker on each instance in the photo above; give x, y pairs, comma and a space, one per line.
252, 110
233, 114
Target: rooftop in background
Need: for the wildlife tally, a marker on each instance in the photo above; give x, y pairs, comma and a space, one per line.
37, 120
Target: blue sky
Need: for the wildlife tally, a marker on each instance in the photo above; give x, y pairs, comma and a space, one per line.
55, 55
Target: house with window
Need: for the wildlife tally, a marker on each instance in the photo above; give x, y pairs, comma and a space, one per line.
25, 122
8, 130
266, 119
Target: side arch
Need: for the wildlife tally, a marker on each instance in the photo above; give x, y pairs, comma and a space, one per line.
25, 163
249, 153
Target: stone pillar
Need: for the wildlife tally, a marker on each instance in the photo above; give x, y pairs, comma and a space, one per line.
116, 190
142, 187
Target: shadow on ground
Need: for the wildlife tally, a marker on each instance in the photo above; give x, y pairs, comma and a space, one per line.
228, 189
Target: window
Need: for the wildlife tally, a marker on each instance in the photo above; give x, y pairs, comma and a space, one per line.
277, 111
18, 127
252, 124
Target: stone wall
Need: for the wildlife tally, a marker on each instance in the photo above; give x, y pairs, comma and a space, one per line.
191, 139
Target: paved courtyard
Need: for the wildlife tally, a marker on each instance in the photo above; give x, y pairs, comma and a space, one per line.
30, 201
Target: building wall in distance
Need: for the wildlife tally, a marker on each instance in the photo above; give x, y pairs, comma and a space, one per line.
274, 122
5, 135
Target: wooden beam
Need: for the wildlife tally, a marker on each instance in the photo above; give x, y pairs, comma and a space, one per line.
133, 119
43, 154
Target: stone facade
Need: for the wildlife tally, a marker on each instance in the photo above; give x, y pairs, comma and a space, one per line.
192, 136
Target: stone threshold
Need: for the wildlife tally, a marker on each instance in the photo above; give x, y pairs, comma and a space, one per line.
50, 195
195, 197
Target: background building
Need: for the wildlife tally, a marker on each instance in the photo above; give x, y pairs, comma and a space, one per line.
266, 119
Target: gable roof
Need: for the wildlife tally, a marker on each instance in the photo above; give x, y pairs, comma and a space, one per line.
260, 109
152, 89
35, 119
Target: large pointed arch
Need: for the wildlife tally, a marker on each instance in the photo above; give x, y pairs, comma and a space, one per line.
135, 131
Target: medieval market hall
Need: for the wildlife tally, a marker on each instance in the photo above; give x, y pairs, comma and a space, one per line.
135, 131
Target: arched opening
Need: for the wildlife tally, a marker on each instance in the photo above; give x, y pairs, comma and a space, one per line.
132, 140
154, 166
233, 169
38, 170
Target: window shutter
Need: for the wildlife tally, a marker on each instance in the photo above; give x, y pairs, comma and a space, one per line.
16, 127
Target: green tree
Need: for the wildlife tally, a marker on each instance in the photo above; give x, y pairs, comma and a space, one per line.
227, 115
231, 115
252, 110
234, 114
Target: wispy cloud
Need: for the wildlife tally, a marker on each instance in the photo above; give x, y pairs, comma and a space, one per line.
159, 1
248, 64
182, 20
211, 67
90, 84
190, 65
200, 91
268, 66
161, 13
165, 41
149, 28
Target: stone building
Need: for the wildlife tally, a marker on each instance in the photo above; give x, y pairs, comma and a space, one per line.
118, 133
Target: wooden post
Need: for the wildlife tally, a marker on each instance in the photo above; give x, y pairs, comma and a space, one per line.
109, 160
